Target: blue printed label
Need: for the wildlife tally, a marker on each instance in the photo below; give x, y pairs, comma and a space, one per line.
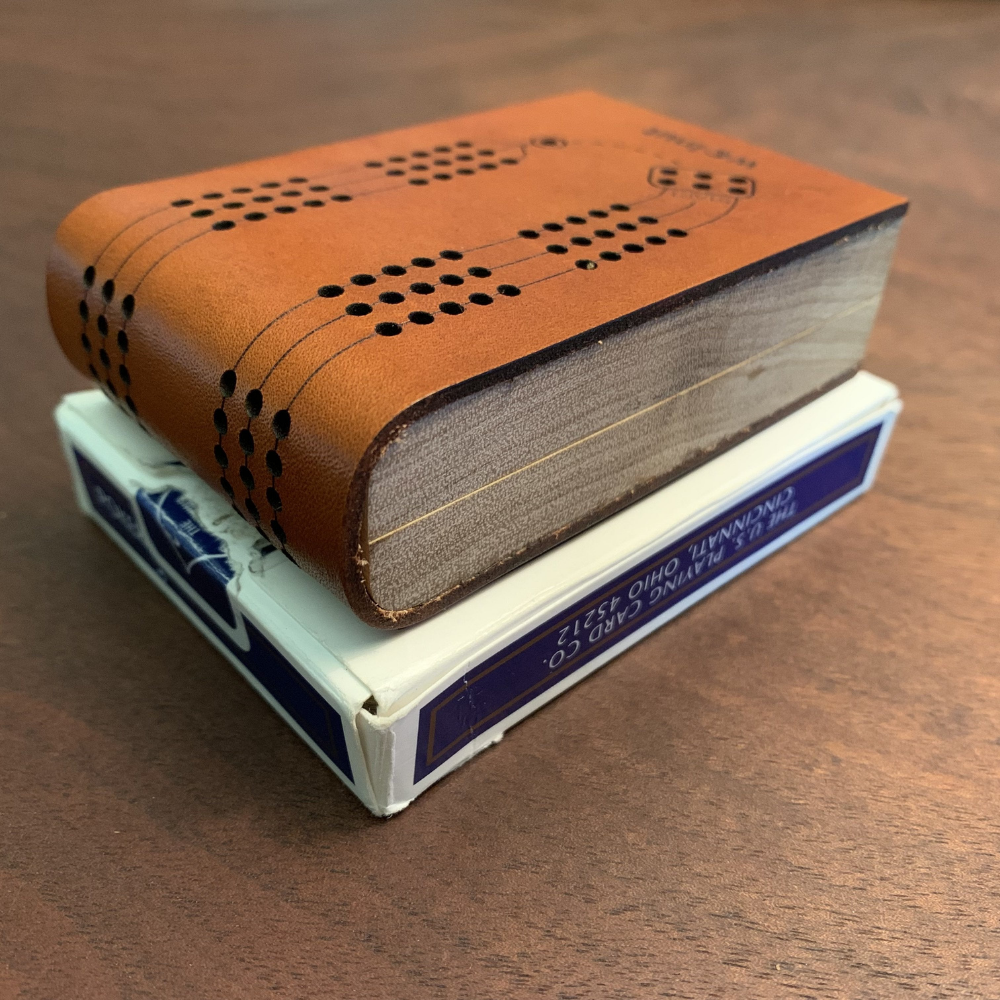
175, 540
197, 556
553, 651
112, 505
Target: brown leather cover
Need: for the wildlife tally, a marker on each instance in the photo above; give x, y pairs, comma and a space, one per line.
277, 322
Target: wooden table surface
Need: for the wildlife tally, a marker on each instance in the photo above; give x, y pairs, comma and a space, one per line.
791, 791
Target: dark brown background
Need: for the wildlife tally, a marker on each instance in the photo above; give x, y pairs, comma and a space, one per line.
793, 790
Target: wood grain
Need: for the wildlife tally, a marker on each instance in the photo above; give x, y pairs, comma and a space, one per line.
809, 805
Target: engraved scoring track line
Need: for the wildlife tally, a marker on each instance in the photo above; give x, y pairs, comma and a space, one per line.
652, 197
142, 243
495, 243
303, 338
381, 190
675, 211
264, 329
715, 218
125, 229
520, 260
547, 277
164, 256
361, 170
320, 367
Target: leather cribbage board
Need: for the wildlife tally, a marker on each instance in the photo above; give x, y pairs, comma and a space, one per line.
261, 318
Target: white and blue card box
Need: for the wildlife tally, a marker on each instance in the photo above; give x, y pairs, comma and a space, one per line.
392, 712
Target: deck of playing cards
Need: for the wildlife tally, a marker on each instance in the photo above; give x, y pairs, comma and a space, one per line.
391, 712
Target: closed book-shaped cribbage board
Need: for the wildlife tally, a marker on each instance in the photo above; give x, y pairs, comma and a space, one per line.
416, 359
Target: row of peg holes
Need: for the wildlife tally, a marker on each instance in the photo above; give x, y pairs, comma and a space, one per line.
702, 181
128, 306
